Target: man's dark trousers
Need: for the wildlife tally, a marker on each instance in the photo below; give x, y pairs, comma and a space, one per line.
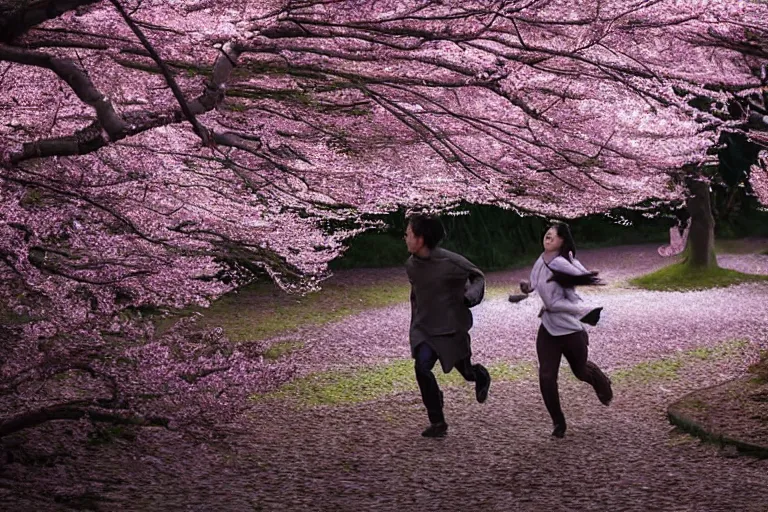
430, 392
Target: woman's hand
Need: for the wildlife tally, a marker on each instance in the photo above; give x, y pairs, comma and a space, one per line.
525, 286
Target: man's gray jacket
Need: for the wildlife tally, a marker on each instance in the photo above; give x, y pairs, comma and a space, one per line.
443, 288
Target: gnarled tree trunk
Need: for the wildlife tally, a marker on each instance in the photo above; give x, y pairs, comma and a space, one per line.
701, 237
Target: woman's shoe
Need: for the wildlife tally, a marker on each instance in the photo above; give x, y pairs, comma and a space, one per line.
559, 431
605, 395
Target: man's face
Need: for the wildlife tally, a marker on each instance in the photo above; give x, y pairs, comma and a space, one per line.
414, 243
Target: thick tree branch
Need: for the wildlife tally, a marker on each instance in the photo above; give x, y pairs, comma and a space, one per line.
91, 138
37, 258
75, 411
46, 371
193, 377
77, 79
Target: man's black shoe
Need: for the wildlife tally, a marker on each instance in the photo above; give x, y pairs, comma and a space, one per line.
483, 384
559, 431
436, 430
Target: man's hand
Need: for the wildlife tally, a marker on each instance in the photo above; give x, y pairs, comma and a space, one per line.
525, 286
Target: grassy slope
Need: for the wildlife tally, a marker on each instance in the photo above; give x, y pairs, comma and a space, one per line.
682, 277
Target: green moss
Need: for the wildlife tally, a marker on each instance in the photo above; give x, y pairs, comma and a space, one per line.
649, 371
245, 319
724, 349
261, 310
702, 353
279, 349
340, 387
668, 368
374, 382
504, 371
681, 276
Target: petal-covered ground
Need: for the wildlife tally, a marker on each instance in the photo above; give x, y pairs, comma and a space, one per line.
635, 325
657, 346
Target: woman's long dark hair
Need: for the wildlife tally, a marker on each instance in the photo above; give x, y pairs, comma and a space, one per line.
568, 248
567, 251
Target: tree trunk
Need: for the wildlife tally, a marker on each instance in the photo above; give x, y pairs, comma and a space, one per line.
701, 237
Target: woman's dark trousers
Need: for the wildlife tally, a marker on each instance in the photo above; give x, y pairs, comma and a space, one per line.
574, 347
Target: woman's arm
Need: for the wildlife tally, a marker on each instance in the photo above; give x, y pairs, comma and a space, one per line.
562, 265
526, 285
555, 304
576, 263
569, 274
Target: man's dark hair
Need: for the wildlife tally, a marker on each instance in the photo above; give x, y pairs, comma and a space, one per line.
428, 227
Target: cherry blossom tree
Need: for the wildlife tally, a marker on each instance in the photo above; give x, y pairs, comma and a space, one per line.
746, 109
162, 153
751, 107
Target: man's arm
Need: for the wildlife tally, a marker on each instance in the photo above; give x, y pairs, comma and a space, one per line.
408, 270
474, 290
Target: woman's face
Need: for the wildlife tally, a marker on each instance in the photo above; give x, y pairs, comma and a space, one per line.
552, 242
